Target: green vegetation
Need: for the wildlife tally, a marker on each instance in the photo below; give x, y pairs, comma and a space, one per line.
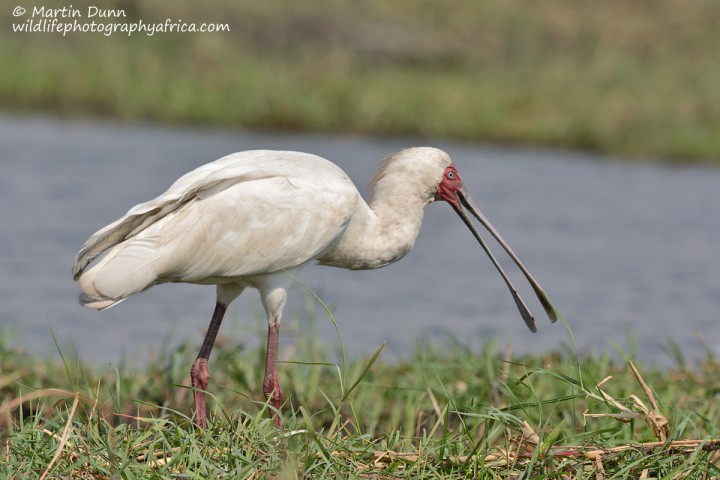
632, 78
446, 411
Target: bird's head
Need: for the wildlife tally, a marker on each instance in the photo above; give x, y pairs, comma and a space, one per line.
450, 187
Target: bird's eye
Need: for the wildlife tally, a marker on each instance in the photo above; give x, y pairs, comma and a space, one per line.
450, 175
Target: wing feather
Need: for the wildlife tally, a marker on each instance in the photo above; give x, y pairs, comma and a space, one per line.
209, 178
246, 214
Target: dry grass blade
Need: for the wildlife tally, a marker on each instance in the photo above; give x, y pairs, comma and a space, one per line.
63, 439
436, 406
525, 443
529, 436
599, 468
644, 385
592, 453
159, 454
10, 378
389, 456
45, 392
678, 446
657, 422
523, 446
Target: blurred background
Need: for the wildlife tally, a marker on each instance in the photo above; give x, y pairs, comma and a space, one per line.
589, 132
636, 78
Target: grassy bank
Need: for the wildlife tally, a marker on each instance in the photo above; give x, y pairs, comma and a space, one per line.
611, 76
443, 412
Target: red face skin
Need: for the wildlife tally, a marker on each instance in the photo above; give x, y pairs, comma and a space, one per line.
449, 187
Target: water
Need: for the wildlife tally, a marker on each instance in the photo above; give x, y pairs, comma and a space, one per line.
620, 249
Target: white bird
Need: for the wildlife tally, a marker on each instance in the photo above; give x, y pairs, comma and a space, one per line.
255, 218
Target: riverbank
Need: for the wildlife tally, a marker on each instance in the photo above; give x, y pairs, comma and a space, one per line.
445, 411
611, 77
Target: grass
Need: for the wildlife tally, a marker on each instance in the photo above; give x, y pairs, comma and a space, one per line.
610, 76
446, 411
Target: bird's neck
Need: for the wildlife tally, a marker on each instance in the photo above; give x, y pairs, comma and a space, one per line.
379, 233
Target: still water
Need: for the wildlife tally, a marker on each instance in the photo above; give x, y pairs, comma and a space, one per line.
624, 251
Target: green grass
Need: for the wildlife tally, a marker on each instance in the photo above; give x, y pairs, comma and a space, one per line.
611, 76
445, 411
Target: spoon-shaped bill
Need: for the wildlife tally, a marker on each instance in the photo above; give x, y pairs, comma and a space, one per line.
550, 310
522, 307
467, 203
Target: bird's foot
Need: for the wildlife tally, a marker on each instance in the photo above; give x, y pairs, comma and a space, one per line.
273, 394
199, 378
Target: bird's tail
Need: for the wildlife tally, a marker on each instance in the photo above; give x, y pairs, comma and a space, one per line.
97, 303
127, 268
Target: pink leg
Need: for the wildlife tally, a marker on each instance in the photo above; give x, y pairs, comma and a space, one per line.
199, 374
271, 387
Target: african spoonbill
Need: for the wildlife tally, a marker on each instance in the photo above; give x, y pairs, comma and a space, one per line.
251, 219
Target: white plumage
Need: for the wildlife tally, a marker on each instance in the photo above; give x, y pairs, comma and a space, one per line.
251, 218
242, 215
